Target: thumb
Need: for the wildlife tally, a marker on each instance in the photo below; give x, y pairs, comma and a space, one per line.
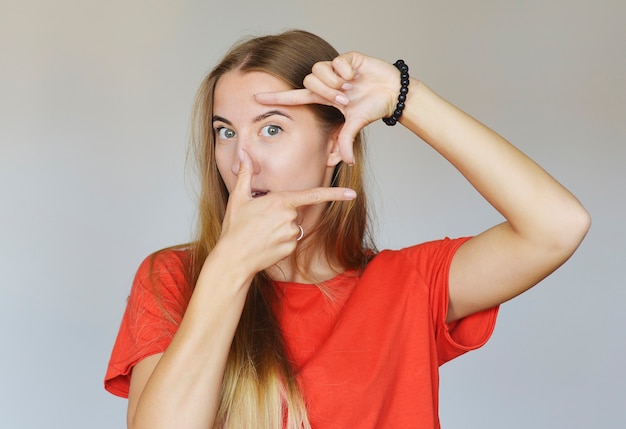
243, 186
345, 140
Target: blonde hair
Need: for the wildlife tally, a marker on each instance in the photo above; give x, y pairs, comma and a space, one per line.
259, 387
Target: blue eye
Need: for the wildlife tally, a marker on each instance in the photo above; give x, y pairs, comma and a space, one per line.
270, 130
225, 133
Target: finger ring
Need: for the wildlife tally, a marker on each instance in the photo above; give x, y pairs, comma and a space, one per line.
301, 233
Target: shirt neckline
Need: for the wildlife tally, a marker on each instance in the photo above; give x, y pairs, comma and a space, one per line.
339, 278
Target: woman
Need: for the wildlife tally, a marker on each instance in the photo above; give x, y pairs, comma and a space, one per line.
282, 313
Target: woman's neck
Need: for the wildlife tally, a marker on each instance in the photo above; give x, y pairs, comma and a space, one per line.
307, 266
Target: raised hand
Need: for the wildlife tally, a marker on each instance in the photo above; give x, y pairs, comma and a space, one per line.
261, 231
363, 88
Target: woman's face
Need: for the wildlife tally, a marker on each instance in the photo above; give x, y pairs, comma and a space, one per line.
288, 147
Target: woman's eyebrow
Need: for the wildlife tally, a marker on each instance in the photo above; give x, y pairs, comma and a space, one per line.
262, 116
217, 118
271, 113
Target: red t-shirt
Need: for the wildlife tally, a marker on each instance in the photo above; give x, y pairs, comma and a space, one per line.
367, 357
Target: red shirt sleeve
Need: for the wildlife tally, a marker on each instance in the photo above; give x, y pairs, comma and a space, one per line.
155, 307
433, 260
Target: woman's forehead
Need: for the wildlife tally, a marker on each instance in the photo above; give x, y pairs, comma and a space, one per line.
235, 91
253, 82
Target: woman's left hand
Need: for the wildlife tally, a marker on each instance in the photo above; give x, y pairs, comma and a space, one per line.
363, 88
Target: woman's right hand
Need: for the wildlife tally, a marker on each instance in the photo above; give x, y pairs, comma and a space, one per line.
260, 232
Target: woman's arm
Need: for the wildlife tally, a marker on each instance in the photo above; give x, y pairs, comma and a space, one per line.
544, 222
181, 387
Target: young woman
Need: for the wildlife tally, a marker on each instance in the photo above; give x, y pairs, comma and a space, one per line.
282, 313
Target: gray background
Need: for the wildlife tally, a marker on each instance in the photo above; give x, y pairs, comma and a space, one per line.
95, 99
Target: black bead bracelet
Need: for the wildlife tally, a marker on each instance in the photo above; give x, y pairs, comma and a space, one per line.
404, 90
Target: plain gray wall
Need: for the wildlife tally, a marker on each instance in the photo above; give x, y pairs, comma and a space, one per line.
95, 99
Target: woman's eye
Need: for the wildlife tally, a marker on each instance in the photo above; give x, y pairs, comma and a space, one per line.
270, 130
225, 133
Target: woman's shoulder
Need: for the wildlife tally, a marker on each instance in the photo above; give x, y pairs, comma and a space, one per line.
164, 278
426, 248
423, 256
166, 267
168, 259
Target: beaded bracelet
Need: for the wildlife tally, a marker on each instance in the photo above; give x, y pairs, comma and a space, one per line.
404, 90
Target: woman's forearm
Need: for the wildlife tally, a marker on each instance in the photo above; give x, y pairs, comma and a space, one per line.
533, 202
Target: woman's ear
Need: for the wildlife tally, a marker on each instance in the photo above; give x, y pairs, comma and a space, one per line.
334, 157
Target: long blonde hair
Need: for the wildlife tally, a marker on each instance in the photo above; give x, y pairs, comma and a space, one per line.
259, 387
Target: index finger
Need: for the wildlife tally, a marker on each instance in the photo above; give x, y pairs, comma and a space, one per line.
243, 185
292, 97
319, 195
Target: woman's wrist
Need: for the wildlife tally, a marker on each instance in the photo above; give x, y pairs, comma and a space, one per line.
411, 114
227, 261
396, 114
